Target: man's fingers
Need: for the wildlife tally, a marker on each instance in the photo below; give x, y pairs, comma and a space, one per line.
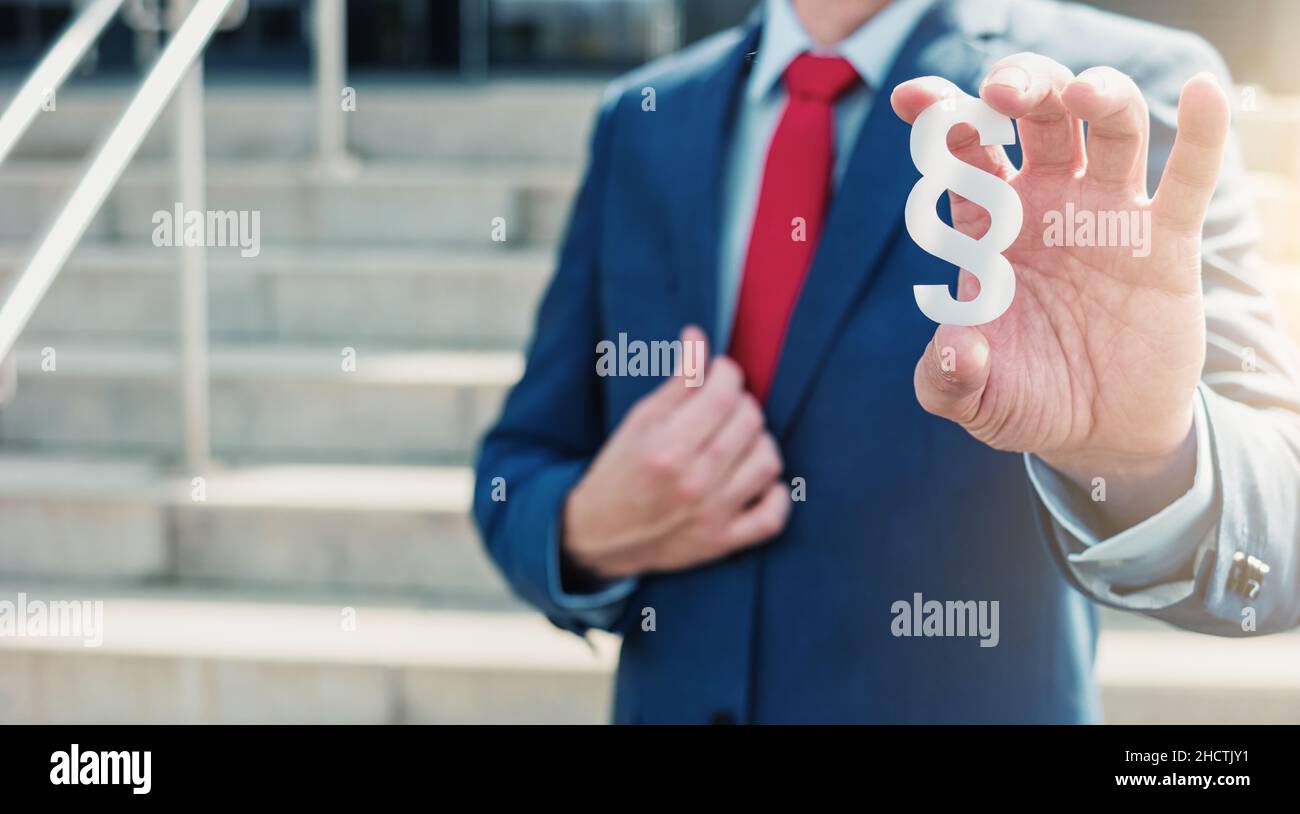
689, 362
761, 521
691, 366
951, 375
1027, 87
760, 465
1112, 105
912, 97
703, 411
1193, 168
721, 454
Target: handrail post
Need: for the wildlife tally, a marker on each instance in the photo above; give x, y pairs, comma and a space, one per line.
665, 35
8, 378
191, 182
475, 36
330, 32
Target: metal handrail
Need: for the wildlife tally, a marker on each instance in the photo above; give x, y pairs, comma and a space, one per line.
177, 72
100, 175
67, 52
103, 171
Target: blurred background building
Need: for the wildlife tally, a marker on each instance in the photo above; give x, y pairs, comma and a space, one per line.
322, 566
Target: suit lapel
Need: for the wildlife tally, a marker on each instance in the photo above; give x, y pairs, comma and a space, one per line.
713, 112
867, 211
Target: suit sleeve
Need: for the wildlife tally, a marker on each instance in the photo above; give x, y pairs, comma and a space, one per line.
552, 423
1243, 578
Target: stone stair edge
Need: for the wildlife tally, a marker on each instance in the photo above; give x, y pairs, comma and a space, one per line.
269, 172
374, 362
223, 624
111, 92
432, 489
212, 623
118, 255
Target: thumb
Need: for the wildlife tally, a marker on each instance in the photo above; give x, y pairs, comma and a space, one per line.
951, 375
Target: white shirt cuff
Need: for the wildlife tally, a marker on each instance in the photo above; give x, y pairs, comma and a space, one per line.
601, 608
1151, 553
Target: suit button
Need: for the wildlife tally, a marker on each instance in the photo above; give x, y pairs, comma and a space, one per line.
1246, 576
722, 718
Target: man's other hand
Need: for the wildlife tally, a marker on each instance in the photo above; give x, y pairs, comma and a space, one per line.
691, 475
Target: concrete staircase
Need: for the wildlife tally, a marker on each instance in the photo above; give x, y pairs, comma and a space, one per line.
343, 493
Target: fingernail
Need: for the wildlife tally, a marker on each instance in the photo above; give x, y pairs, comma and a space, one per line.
1011, 77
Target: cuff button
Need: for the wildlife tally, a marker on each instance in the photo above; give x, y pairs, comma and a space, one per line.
1246, 576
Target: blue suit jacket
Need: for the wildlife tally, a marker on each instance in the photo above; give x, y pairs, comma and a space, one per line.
898, 501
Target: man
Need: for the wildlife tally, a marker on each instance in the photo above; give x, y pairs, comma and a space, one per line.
790, 524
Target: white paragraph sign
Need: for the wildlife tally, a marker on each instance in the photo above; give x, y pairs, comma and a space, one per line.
942, 171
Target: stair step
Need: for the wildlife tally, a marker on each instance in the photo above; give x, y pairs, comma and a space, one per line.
422, 203
546, 120
294, 403
1175, 677
216, 657
467, 297
500, 119
199, 657
386, 529
426, 204
399, 298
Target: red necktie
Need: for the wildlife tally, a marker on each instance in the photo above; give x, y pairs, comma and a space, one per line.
796, 185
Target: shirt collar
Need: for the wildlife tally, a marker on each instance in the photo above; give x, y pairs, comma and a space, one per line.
871, 49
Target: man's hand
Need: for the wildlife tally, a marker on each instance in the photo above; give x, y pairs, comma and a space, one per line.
689, 476
1094, 366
